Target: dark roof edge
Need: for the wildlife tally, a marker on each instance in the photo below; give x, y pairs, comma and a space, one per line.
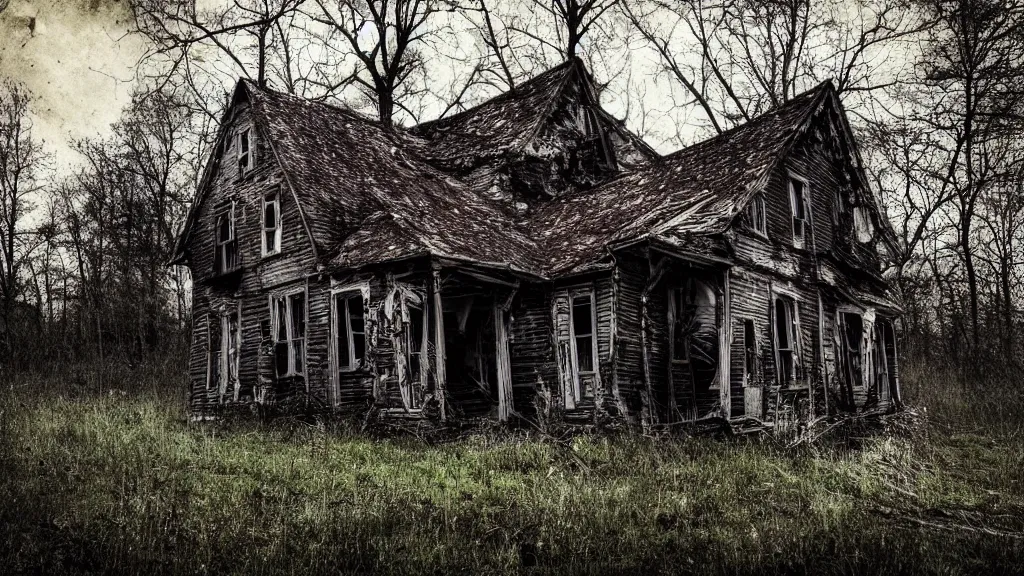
178, 254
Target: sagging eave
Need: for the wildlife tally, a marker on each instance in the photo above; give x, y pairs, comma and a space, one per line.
514, 273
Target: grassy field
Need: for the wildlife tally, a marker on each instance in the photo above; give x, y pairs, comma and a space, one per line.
102, 474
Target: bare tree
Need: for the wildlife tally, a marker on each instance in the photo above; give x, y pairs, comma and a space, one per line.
22, 162
386, 38
974, 66
738, 58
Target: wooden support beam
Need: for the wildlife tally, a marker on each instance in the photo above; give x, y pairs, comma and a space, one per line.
821, 357
656, 273
439, 353
504, 365
725, 349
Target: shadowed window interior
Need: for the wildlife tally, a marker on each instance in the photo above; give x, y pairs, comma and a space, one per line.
289, 314
583, 331
756, 213
785, 340
245, 155
798, 202
271, 223
226, 255
350, 330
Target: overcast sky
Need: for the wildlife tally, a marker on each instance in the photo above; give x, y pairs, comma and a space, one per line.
75, 58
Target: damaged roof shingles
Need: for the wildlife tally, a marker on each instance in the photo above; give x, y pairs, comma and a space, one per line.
374, 194
368, 199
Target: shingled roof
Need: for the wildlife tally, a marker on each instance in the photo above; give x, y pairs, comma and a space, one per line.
693, 192
367, 197
371, 193
501, 126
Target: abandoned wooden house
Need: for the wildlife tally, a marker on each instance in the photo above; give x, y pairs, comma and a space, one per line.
530, 258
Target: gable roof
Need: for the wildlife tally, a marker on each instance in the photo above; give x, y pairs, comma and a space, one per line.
696, 191
372, 193
358, 179
500, 126
504, 126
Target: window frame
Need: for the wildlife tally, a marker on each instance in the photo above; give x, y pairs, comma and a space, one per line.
804, 202
344, 297
291, 339
246, 152
750, 349
792, 336
220, 246
275, 193
573, 337
220, 319
211, 376
759, 226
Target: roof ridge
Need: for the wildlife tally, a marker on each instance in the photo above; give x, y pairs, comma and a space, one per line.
504, 95
793, 102
339, 106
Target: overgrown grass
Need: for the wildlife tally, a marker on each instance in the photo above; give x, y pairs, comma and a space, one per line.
102, 474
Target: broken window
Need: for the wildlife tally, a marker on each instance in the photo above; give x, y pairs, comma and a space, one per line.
231, 348
757, 214
749, 353
785, 339
583, 332
350, 331
225, 341
851, 340
415, 344
226, 256
271, 223
213, 352
798, 202
289, 319
862, 225
245, 154
693, 327
880, 361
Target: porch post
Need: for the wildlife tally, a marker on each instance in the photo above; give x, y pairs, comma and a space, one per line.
439, 355
504, 365
725, 349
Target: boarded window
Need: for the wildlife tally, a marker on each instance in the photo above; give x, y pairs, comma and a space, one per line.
226, 256
349, 330
785, 340
756, 213
798, 202
271, 223
583, 332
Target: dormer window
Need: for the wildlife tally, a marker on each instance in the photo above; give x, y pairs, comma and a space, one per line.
226, 256
271, 243
246, 157
798, 203
758, 218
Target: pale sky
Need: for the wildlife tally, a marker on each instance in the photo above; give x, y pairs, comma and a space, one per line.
75, 58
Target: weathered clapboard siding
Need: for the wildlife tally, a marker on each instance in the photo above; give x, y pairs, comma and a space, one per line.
256, 275
534, 376
631, 276
553, 140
